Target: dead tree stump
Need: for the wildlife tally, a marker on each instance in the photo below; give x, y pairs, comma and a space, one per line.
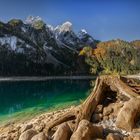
87, 108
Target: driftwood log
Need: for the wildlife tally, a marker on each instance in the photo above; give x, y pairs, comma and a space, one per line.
85, 110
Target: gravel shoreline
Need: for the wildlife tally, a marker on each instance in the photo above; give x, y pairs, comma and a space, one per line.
43, 118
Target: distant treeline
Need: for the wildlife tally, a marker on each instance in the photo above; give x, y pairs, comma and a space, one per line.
115, 56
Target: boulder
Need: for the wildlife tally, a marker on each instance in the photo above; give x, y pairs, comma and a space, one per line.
87, 131
97, 131
128, 138
133, 136
83, 132
111, 116
96, 118
99, 109
8, 137
105, 118
136, 130
15, 136
117, 107
63, 132
25, 127
136, 138
40, 136
39, 127
107, 110
112, 136
27, 135
127, 115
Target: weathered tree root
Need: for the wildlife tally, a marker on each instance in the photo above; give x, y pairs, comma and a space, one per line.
86, 109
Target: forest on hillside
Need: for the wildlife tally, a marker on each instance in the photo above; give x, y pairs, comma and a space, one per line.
113, 57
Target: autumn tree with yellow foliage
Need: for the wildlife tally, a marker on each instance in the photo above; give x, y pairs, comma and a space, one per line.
115, 56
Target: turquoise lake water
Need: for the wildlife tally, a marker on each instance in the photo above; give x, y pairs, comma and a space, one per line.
25, 99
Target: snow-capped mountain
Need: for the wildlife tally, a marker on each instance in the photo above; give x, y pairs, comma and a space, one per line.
31, 20
65, 34
65, 27
85, 38
43, 44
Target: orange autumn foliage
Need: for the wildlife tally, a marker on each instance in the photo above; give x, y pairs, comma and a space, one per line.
99, 53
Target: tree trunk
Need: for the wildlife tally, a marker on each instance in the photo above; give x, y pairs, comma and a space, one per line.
87, 108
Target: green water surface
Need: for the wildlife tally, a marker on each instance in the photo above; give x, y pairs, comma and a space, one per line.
26, 99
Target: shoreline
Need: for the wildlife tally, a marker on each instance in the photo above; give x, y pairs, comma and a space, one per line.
26, 115
45, 78
34, 119
21, 117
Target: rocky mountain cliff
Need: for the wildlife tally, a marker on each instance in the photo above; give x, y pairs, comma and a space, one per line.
36, 48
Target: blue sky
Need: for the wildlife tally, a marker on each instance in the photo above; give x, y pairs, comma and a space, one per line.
103, 19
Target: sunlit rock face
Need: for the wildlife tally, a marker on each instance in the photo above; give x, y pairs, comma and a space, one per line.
65, 27
67, 36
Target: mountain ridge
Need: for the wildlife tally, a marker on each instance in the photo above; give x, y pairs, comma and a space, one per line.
37, 48
42, 44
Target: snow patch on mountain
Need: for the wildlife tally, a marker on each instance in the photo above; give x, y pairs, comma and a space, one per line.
12, 41
82, 33
23, 29
31, 20
65, 27
50, 27
85, 37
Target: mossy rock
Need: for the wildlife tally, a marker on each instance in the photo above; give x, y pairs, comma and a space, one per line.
39, 24
15, 22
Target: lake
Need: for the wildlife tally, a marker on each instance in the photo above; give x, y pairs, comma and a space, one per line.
23, 99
